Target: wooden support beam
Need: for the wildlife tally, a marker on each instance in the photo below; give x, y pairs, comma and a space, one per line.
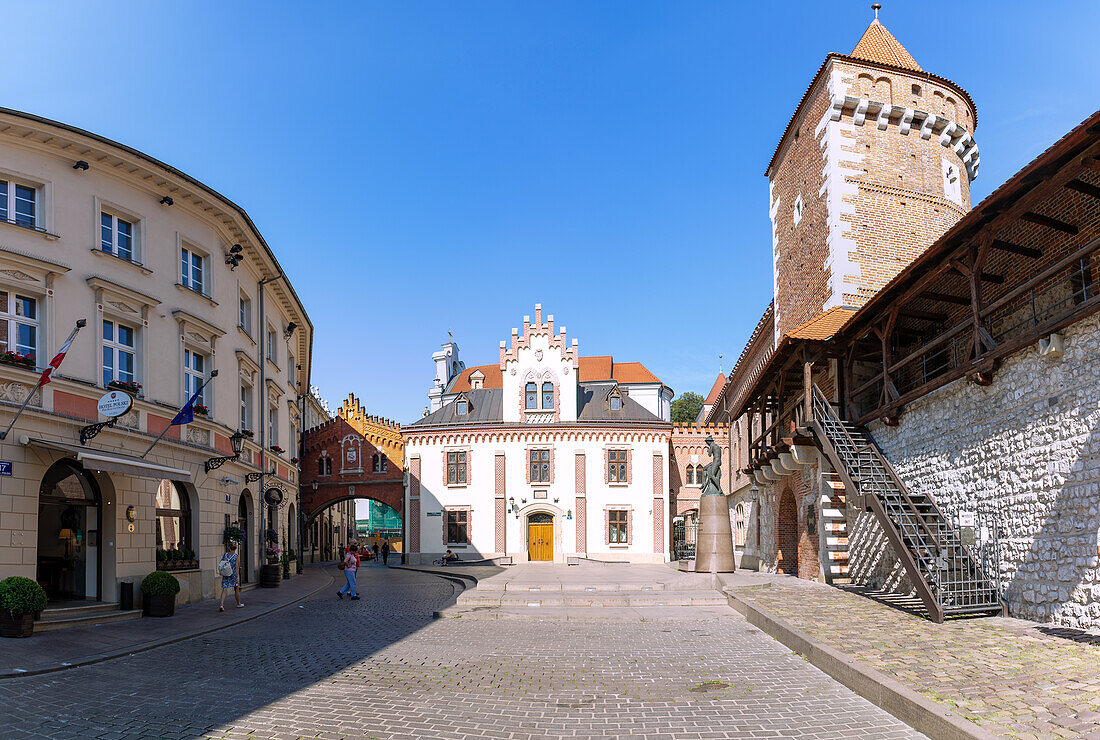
1083, 187
1049, 222
1016, 249
913, 313
946, 298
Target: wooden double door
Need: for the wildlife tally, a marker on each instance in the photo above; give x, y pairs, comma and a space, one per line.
540, 537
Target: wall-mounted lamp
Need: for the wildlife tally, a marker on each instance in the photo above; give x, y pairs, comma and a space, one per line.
289, 330
512, 504
236, 443
234, 257
555, 499
523, 500
568, 513
81, 165
167, 201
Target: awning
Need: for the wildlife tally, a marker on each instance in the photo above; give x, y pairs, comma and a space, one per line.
109, 462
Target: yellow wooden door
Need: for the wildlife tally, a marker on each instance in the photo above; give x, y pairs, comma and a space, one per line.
540, 541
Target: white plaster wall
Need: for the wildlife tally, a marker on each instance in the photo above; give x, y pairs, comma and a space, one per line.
550, 365
1024, 451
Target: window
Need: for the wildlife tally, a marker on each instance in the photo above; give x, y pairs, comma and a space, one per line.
324, 465
273, 426
616, 402
245, 318
540, 466
616, 466
456, 468
271, 346
916, 89
548, 395
119, 359
192, 271
382, 463
173, 518
616, 527
18, 324
700, 476
19, 204
194, 373
461, 408
116, 236
798, 209
246, 407
458, 527
690, 475
376, 464
532, 396
741, 523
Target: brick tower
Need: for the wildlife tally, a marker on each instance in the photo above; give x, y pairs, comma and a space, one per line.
873, 167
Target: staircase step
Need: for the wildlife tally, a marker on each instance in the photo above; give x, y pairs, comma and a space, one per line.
47, 624
595, 600
57, 612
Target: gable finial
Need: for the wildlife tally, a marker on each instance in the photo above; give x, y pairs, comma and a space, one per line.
876, 7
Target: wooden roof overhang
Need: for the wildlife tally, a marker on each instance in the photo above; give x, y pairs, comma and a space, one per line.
1018, 267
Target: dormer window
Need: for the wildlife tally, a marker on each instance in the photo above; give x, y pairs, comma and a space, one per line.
461, 407
548, 396
477, 380
615, 400
531, 396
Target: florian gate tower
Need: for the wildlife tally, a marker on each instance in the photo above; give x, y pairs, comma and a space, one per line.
874, 166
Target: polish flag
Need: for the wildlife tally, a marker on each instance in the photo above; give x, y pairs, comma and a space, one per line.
55, 362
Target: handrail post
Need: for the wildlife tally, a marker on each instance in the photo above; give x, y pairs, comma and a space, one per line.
807, 391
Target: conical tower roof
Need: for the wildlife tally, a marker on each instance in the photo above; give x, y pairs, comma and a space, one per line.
879, 45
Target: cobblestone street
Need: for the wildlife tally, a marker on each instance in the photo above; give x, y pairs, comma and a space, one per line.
381, 667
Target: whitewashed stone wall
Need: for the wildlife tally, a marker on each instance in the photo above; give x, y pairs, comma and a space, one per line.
1024, 452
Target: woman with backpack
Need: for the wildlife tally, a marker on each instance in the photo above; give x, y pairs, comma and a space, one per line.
231, 576
349, 565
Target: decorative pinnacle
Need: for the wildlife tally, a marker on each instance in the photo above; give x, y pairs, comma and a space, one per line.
876, 7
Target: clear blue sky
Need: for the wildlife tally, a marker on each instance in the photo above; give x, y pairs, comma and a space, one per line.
425, 166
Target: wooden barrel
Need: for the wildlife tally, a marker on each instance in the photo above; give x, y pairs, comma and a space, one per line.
271, 575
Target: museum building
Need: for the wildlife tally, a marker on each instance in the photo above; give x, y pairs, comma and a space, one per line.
174, 283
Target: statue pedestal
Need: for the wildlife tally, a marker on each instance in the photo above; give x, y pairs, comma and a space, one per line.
714, 536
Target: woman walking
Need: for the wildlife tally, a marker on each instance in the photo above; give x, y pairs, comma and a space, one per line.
351, 564
230, 573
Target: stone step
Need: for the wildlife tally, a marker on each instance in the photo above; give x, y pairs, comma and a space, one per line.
687, 583
591, 600
57, 612
607, 614
48, 624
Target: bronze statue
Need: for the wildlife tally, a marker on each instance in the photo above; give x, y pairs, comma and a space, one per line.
714, 536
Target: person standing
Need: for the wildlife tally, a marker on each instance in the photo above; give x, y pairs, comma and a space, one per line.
385, 552
351, 565
229, 563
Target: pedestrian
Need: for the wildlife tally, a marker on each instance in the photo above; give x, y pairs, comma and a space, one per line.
230, 573
350, 565
385, 552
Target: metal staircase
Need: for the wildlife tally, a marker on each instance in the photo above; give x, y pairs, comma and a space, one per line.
947, 577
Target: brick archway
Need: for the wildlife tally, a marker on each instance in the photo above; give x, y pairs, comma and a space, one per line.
342, 460
786, 534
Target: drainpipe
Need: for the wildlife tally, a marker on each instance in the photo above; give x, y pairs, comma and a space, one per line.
263, 411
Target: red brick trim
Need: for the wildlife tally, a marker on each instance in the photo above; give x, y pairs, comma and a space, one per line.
414, 504
579, 473
658, 525
581, 520
500, 515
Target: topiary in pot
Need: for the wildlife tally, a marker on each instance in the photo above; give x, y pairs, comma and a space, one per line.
20, 599
159, 590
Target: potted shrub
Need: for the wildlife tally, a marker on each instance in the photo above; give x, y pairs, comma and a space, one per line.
20, 600
233, 533
162, 559
159, 591
200, 410
131, 387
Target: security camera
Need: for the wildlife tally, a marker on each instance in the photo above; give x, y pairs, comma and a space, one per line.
230, 481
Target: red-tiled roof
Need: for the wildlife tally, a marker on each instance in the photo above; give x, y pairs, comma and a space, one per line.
879, 45
591, 369
715, 390
824, 325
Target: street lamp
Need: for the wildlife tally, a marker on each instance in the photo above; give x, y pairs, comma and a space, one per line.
236, 442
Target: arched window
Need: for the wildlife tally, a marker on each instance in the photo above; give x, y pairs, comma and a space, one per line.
173, 517
741, 524
548, 395
532, 396
700, 477
691, 475
376, 466
381, 462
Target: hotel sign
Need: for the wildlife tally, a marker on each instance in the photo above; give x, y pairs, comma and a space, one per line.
115, 404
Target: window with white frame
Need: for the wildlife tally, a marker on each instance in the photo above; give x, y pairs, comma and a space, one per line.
244, 320
116, 236
119, 352
273, 426
193, 271
19, 203
18, 324
272, 346
194, 373
246, 406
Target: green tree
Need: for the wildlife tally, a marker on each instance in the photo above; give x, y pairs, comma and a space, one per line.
686, 407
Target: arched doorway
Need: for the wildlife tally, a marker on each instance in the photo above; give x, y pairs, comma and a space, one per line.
540, 537
69, 523
292, 531
786, 534
244, 521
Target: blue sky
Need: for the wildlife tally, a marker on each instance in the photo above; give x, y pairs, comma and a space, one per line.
422, 167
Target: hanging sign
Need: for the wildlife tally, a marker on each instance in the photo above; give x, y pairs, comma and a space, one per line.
115, 404
273, 496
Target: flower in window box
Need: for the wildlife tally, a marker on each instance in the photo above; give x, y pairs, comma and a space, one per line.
293, 461
247, 433
125, 386
201, 410
19, 360
277, 449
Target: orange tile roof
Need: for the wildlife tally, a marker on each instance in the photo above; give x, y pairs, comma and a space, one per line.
591, 369
825, 325
879, 45
715, 390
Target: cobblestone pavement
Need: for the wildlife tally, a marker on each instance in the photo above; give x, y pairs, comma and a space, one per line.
381, 667
1012, 677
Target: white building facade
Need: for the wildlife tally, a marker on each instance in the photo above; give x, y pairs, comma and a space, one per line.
544, 456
